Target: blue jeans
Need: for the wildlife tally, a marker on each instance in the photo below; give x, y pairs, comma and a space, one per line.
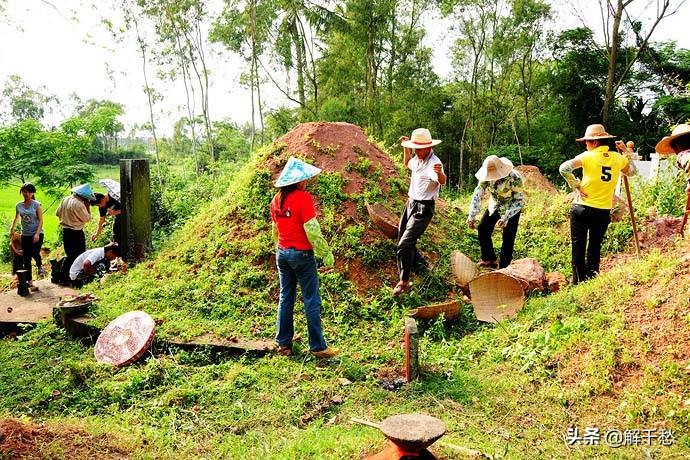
298, 266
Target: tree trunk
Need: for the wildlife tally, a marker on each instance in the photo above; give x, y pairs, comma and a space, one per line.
612, 58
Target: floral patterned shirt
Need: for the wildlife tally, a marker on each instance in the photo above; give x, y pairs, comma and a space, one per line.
505, 196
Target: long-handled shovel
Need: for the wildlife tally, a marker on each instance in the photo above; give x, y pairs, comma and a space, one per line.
629, 147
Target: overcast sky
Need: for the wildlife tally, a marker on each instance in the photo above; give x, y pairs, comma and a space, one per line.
65, 49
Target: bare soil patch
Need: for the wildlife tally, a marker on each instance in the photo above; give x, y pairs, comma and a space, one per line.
20, 440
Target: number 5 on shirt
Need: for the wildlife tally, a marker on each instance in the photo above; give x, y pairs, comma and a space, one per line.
606, 173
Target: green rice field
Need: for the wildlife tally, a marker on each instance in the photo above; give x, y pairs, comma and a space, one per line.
9, 196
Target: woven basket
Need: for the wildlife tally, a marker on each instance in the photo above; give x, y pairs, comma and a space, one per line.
496, 296
450, 310
463, 268
383, 219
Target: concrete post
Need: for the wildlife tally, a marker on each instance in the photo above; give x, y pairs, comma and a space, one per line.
411, 350
135, 183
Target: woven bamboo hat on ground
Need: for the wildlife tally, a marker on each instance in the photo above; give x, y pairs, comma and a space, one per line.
494, 168
296, 171
420, 139
463, 268
664, 146
595, 133
496, 296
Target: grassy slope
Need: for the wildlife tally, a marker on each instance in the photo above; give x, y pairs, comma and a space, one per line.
512, 388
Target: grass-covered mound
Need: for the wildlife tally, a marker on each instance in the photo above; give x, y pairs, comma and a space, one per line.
217, 274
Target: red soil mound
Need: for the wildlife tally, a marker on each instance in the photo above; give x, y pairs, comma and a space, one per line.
535, 180
20, 440
335, 147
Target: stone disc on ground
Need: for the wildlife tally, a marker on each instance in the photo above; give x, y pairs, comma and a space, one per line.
533, 179
125, 339
413, 432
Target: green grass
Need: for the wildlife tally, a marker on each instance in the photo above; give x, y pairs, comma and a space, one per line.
9, 196
510, 390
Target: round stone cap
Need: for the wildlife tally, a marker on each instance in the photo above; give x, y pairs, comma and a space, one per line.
413, 432
125, 339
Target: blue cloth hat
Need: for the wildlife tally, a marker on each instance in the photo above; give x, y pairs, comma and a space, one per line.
296, 171
84, 191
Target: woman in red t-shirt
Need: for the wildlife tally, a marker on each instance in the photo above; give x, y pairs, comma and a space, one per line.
299, 240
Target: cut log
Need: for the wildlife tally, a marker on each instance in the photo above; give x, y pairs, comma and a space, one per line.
384, 219
529, 272
496, 296
450, 310
555, 281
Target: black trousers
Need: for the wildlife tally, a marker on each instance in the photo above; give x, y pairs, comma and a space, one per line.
75, 244
486, 228
31, 251
117, 230
414, 220
587, 223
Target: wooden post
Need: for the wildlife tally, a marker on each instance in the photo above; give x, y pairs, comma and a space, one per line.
23, 283
411, 350
135, 183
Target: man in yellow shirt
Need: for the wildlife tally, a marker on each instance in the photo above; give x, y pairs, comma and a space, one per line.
590, 214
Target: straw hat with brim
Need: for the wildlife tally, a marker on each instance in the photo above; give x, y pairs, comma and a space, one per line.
296, 171
463, 268
595, 133
420, 139
496, 296
664, 145
494, 168
84, 191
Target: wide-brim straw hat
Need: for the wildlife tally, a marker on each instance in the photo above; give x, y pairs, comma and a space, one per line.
84, 191
496, 296
296, 171
463, 268
595, 133
663, 147
420, 139
494, 168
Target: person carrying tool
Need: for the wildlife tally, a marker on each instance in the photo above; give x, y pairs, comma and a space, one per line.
504, 185
425, 185
299, 239
590, 213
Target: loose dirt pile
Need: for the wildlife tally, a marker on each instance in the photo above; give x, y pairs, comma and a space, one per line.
335, 147
20, 440
533, 179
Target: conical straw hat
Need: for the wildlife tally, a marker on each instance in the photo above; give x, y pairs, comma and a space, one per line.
383, 219
450, 310
496, 296
84, 191
462, 267
296, 171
